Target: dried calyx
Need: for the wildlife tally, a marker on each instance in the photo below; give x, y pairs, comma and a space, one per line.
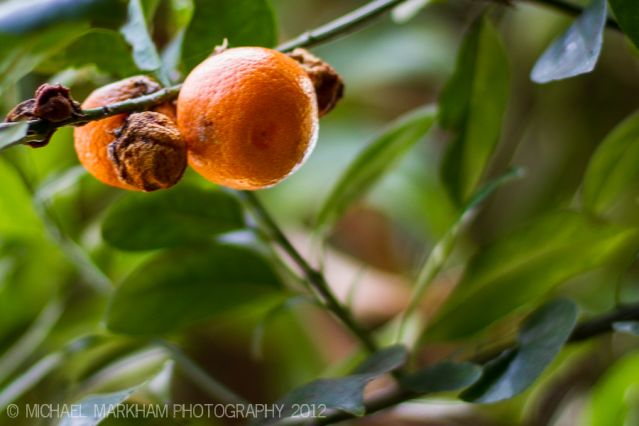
52, 103
148, 152
329, 86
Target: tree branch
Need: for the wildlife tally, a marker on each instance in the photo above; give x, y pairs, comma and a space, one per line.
342, 25
39, 129
585, 330
315, 278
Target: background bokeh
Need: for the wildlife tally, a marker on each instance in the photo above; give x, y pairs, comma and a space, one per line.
389, 67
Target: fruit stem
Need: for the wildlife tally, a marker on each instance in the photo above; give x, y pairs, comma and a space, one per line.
315, 278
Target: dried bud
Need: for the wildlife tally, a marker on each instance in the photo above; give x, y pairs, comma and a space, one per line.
21, 112
328, 84
54, 103
148, 152
24, 112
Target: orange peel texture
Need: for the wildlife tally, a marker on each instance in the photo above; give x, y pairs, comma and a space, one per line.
248, 116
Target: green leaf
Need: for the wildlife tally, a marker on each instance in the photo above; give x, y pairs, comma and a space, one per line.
180, 287
22, 54
30, 32
178, 216
29, 378
384, 361
627, 14
442, 377
106, 49
345, 393
136, 33
612, 175
577, 50
19, 17
440, 252
17, 213
520, 268
472, 107
374, 161
12, 133
242, 22
612, 396
91, 410
540, 339
626, 327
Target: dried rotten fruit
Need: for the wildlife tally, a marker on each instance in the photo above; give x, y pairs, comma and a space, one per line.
327, 82
93, 139
148, 152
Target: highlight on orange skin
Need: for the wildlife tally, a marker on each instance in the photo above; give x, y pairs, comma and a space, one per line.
248, 116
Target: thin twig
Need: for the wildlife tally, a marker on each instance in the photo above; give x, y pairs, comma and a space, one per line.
315, 278
39, 128
341, 25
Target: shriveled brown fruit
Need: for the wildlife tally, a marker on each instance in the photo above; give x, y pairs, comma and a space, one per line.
329, 86
148, 152
93, 139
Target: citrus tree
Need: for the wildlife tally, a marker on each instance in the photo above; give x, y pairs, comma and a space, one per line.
458, 249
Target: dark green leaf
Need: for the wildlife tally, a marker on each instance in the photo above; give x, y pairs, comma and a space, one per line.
612, 174
11, 133
33, 16
442, 377
17, 213
91, 410
30, 32
472, 106
178, 216
387, 359
627, 13
541, 338
20, 55
520, 268
436, 259
577, 50
627, 327
136, 33
106, 49
181, 287
374, 161
242, 22
344, 393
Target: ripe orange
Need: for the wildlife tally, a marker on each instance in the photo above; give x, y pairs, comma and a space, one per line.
92, 139
248, 116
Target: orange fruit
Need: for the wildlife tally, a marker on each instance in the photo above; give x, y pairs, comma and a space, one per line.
92, 139
248, 116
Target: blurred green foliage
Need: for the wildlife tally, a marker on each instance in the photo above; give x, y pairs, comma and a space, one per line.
94, 282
